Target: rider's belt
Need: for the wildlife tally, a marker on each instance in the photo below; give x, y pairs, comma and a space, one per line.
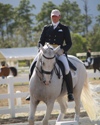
54, 45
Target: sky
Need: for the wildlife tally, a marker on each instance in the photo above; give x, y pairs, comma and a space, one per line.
92, 5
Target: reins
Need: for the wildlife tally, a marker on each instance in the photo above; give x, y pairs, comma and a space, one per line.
47, 72
40, 71
49, 57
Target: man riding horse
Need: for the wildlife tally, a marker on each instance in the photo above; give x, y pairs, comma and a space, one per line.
57, 34
88, 57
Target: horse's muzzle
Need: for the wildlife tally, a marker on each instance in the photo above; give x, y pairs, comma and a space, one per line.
46, 82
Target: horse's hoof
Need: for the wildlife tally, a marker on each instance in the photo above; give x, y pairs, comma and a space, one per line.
28, 98
31, 121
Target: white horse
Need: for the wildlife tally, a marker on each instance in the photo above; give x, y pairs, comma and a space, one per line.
47, 87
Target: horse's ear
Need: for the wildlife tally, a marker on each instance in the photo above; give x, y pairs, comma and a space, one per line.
41, 47
57, 49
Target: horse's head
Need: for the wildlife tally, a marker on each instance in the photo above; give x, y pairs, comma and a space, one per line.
48, 61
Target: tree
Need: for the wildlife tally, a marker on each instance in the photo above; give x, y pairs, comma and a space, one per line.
71, 15
98, 17
79, 44
86, 17
6, 18
24, 21
43, 18
94, 38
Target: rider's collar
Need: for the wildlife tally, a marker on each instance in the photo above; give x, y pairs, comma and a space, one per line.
55, 24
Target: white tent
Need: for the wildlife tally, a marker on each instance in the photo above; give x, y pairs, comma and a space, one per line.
15, 54
18, 53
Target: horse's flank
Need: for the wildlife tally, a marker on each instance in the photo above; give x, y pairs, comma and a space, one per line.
4, 71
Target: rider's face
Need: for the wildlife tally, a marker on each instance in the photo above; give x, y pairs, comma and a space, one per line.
55, 18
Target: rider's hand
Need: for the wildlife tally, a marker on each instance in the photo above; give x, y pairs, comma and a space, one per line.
60, 52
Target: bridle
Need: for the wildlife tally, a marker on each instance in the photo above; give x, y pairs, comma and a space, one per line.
47, 72
41, 72
44, 72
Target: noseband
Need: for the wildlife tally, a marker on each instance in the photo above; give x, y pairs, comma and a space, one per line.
47, 72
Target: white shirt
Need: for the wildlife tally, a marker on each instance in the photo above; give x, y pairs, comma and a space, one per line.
55, 24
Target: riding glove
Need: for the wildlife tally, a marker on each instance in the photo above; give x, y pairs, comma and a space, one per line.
60, 52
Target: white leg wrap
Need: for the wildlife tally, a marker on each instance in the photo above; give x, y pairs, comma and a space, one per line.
76, 118
60, 117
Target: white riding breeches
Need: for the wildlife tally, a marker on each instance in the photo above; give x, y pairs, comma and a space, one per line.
89, 59
64, 60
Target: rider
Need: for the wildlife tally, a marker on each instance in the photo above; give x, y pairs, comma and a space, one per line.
88, 56
58, 34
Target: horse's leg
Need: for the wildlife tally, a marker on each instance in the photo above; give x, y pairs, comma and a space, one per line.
32, 110
48, 112
94, 72
77, 94
63, 108
99, 70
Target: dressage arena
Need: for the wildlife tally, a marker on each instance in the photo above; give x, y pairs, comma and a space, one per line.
21, 118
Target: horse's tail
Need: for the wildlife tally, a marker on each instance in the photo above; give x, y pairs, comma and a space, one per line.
89, 103
14, 71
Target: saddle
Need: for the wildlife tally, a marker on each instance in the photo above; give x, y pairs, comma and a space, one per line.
61, 66
71, 65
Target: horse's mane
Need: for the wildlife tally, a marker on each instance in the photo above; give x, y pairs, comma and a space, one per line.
47, 45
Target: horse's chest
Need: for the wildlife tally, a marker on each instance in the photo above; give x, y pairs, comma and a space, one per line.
44, 93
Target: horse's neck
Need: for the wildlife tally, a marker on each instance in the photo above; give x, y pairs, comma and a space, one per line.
38, 61
37, 69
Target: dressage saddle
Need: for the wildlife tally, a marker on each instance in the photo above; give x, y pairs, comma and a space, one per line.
63, 68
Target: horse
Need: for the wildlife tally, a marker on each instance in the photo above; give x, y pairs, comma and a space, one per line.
94, 63
6, 71
47, 85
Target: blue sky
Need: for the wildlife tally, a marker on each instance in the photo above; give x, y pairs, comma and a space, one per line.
92, 5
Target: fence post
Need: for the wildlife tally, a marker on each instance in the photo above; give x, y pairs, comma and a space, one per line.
18, 100
11, 92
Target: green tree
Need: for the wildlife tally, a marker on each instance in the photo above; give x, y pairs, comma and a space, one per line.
98, 17
24, 22
43, 18
6, 18
71, 15
86, 17
94, 38
79, 44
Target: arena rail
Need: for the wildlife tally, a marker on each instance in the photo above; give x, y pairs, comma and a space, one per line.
94, 54
12, 109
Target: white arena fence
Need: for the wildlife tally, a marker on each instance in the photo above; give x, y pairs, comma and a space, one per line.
12, 109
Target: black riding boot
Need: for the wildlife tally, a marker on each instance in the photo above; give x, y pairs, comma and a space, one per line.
30, 74
69, 85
